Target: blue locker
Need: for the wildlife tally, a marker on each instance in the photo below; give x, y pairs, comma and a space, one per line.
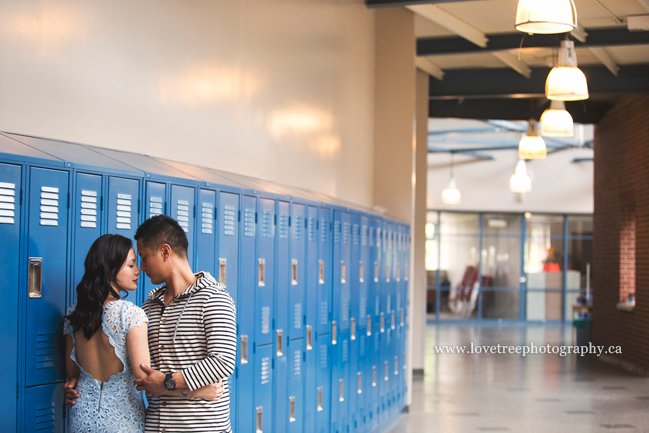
297, 270
355, 376
327, 333
122, 213
374, 313
47, 265
263, 392
10, 223
87, 222
182, 210
295, 405
325, 269
280, 318
206, 232
246, 401
311, 309
156, 204
44, 409
264, 271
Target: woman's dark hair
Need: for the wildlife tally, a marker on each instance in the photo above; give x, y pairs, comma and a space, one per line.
104, 260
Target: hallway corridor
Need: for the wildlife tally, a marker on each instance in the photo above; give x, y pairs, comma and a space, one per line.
463, 393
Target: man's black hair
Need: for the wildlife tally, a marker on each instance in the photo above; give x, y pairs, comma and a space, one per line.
160, 230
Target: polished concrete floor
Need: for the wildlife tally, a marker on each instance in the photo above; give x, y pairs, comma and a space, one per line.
512, 393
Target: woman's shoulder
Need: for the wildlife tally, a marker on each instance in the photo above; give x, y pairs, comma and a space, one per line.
126, 306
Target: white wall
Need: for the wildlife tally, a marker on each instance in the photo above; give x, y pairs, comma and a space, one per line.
281, 90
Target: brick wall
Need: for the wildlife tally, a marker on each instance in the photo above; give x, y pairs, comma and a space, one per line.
627, 252
621, 190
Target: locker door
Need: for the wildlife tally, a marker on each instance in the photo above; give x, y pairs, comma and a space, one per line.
324, 411
246, 357
374, 295
123, 212
323, 383
228, 258
156, 204
44, 409
281, 342
182, 210
297, 270
47, 265
324, 270
206, 233
264, 271
311, 303
345, 286
355, 326
10, 213
336, 368
263, 392
87, 222
295, 403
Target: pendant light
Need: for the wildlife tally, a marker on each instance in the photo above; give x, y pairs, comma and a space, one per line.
451, 195
566, 82
520, 180
546, 16
532, 145
556, 121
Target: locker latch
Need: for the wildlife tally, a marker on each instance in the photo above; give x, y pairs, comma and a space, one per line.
35, 278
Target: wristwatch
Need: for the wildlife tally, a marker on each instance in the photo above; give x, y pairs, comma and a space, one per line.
170, 383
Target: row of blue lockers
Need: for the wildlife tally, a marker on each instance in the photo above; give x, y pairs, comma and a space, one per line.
321, 289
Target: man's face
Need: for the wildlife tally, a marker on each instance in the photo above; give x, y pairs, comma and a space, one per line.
152, 263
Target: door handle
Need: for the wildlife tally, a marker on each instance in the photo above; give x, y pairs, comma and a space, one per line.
333, 333
244, 349
35, 278
280, 348
223, 264
260, 412
309, 331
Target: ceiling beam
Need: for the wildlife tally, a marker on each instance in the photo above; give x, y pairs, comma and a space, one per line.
451, 22
513, 62
512, 41
645, 4
396, 3
431, 68
505, 83
606, 59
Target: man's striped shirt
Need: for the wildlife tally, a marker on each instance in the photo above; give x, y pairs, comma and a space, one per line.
195, 334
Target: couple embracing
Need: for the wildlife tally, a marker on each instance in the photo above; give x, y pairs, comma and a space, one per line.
179, 348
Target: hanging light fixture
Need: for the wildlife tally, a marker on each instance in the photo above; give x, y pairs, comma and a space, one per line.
451, 195
556, 121
546, 16
532, 145
566, 82
520, 180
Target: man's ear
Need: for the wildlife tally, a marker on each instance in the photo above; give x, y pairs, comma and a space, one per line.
165, 250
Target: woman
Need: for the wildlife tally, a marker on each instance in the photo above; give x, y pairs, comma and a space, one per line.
106, 343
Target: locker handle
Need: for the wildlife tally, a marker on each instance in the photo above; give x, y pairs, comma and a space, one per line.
291, 409
392, 320
244, 349
35, 278
369, 325
261, 274
320, 409
294, 272
387, 369
223, 266
374, 375
402, 313
361, 272
342, 390
387, 273
260, 412
343, 272
398, 272
280, 348
353, 326
333, 333
376, 272
360, 382
309, 331
396, 365
382, 322
321, 272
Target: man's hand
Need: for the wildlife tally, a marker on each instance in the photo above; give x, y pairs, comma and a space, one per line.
211, 392
68, 390
154, 384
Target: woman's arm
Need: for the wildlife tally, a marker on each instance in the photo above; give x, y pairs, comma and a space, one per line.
71, 367
137, 344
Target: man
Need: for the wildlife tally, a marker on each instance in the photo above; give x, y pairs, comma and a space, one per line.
191, 331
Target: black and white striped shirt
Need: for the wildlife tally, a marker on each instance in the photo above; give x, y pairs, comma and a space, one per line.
195, 334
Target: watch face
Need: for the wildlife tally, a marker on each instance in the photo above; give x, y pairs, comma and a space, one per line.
170, 383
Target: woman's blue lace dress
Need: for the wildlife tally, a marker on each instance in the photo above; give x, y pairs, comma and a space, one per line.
113, 406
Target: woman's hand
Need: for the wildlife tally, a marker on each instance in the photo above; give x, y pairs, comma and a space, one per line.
211, 392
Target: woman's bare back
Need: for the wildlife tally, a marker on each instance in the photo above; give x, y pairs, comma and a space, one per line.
97, 356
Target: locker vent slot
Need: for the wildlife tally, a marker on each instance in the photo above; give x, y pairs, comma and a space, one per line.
249, 222
299, 227
353, 328
387, 369
363, 235
265, 320
343, 272
321, 272
297, 319
396, 365
311, 228
371, 236
334, 333
294, 272
363, 306
320, 408
361, 272
280, 342
283, 226
309, 337
361, 349
45, 350
223, 272
267, 224
324, 312
346, 230
155, 206
7, 203
297, 363
369, 325
355, 234
323, 230
265, 370
376, 272
260, 411
345, 351
229, 220
244, 349
207, 218
336, 232
261, 273
291, 412
124, 211
324, 364
50, 206
374, 375
44, 418
342, 389
35, 278
183, 215
360, 382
